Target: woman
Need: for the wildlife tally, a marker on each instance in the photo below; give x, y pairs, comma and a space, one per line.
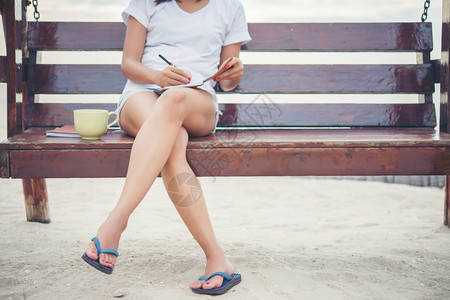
196, 36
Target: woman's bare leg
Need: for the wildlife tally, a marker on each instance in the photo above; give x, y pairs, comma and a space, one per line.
185, 192
156, 125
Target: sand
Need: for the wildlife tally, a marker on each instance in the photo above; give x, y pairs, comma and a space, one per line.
290, 238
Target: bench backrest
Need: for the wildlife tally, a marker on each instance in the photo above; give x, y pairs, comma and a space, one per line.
265, 83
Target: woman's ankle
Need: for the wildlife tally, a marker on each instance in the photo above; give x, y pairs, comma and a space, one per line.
119, 220
215, 253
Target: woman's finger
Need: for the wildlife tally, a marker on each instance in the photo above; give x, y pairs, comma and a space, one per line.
235, 70
181, 73
172, 76
235, 62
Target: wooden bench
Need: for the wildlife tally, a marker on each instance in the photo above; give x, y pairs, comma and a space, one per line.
262, 137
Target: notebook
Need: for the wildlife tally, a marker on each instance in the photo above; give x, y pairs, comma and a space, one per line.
200, 82
64, 131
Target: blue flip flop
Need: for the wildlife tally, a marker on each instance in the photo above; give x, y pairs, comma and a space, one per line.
228, 282
95, 263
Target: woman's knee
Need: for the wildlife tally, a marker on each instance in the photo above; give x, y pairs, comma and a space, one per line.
173, 103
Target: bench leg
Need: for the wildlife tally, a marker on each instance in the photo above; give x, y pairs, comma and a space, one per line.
447, 201
36, 200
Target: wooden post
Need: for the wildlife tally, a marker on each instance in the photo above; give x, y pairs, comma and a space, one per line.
424, 58
445, 67
35, 189
35, 192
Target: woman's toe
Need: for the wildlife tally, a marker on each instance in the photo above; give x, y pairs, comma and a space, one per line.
212, 283
107, 260
196, 285
91, 251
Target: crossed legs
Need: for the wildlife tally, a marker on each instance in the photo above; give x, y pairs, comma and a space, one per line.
161, 127
190, 204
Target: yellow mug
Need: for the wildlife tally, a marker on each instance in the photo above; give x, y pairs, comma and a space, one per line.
91, 124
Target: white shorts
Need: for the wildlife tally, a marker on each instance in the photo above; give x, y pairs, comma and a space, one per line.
126, 95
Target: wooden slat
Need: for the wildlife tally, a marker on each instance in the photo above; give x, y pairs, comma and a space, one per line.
93, 163
319, 162
4, 164
76, 79
331, 115
265, 37
242, 140
341, 79
75, 36
273, 115
341, 37
213, 161
2, 68
244, 153
50, 114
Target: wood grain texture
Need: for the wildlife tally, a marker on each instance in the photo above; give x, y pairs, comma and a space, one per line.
76, 36
53, 114
265, 37
319, 162
35, 139
341, 37
271, 115
328, 115
69, 163
3, 68
76, 79
263, 161
36, 200
4, 164
338, 79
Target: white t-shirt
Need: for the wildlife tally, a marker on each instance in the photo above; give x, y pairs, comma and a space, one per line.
191, 41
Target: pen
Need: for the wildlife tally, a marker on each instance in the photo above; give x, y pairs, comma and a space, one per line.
168, 62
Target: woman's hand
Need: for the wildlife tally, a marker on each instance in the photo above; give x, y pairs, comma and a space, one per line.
229, 80
235, 70
172, 76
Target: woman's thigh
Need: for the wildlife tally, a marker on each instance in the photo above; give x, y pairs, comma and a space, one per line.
136, 110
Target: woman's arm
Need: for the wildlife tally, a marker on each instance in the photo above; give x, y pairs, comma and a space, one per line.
231, 78
133, 69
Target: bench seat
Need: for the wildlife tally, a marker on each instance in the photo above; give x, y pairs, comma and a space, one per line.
234, 152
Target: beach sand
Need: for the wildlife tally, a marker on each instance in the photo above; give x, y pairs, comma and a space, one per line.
290, 238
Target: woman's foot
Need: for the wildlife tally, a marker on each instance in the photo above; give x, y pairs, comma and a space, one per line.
219, 264
109, 235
